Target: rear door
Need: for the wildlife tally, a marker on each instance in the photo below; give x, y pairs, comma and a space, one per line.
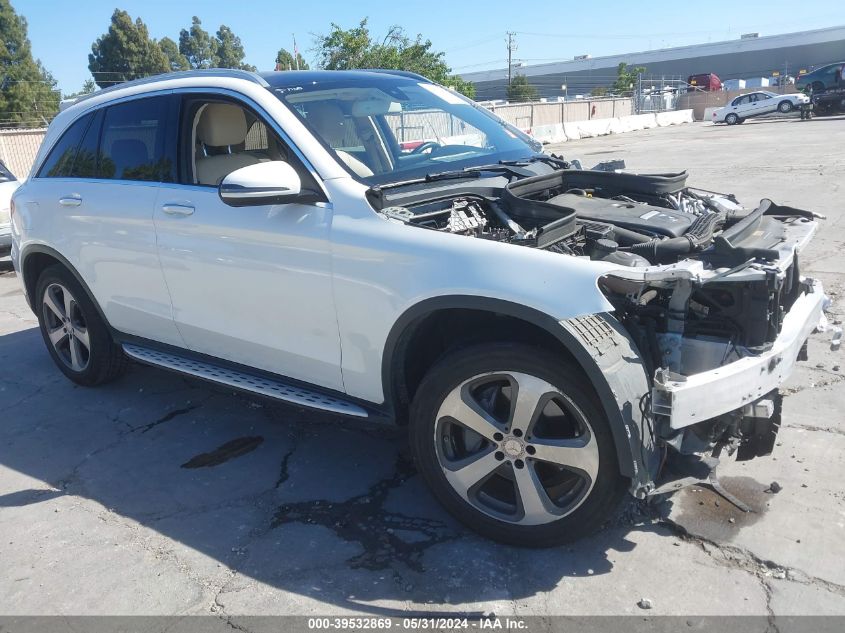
99, 184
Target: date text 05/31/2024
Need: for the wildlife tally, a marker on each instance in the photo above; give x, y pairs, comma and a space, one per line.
432, 624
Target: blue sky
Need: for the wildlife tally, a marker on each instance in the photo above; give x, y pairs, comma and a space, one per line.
471, 33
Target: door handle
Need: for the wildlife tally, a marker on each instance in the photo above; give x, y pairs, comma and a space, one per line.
73, 200
177, 209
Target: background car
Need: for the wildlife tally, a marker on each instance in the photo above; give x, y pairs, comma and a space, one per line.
823, 78
756, 104
8, 184
708, 82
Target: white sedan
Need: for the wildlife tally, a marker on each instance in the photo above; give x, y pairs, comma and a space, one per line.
8, 185
756, 104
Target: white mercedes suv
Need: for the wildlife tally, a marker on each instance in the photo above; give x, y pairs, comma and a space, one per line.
374, 245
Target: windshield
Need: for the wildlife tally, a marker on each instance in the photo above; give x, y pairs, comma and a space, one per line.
5, 174
385, 128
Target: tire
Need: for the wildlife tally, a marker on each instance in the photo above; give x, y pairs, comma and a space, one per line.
489, 480
732, 119
785, 107
76, 336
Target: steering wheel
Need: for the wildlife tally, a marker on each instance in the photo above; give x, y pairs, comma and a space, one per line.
419, 149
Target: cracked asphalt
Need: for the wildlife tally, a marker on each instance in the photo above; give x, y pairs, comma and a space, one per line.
162, 495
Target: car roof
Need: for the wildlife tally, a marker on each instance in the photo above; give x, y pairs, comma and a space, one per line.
291, 78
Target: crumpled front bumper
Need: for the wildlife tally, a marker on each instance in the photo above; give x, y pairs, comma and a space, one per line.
687, 400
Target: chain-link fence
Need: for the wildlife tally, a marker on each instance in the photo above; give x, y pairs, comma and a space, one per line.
18, 149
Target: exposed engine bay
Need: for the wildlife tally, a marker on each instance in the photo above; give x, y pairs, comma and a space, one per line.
699, 281
627, 219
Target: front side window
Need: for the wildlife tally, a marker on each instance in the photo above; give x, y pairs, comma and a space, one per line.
219, 135
132, 142
59, 163
385, 128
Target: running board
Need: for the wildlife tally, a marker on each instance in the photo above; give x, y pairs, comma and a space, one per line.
267, 387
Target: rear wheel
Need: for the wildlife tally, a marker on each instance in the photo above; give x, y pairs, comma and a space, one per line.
732, 119
75, 334
513, 443
785, 107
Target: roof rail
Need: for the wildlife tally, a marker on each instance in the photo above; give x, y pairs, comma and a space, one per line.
234, 73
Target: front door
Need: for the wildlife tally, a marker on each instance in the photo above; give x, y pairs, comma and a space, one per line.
250, 285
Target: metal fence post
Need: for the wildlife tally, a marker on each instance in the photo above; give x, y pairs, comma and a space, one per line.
639, 93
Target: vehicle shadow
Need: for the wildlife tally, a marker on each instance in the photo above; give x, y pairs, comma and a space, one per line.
294, 500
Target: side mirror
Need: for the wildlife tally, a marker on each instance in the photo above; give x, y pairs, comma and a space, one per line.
273, 182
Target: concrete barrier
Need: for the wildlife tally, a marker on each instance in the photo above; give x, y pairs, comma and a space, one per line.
574, 130
553, 133
674, 118
708, 114
636, 122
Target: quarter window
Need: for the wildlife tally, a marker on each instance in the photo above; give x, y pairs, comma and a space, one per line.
60, 161
85, 163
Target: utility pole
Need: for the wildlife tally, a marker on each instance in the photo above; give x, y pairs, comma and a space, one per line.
511, 49
295, 51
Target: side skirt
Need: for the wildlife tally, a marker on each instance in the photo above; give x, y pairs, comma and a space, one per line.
266, 386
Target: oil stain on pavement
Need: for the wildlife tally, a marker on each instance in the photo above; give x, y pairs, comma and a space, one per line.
386, 537
710, 516
229, 450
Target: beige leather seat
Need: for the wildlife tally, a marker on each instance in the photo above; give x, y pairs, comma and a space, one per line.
221, 125
328, 121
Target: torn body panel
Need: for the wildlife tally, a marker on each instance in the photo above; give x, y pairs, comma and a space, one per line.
710, 312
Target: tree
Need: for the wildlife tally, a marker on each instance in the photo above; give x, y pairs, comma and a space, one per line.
176, 59
521, 90
28, 94
355, 48
229, 52
125, 52
598, 91
286, 61
626, 78
198, 47
88, 86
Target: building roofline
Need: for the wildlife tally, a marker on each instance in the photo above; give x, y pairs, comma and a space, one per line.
831, 33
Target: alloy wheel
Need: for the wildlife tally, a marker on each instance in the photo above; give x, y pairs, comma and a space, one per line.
516, 448
66, 327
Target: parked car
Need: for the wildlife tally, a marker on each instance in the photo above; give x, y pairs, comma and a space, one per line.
8, 185
550, 337
709, 82
822, 78
757, 104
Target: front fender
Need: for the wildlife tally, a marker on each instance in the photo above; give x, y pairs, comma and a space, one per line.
610, 359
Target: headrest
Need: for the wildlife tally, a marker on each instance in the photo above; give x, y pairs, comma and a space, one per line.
222, 124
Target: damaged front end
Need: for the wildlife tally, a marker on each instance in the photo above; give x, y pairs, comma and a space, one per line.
709, 292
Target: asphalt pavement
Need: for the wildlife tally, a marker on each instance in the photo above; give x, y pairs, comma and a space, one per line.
162, 495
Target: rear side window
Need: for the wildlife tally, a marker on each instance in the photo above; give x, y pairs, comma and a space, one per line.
132, 143
60, 161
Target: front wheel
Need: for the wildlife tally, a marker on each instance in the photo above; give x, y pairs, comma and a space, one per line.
512, 441
785, 107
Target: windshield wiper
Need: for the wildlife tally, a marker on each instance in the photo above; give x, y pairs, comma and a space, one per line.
457, 174
553, 161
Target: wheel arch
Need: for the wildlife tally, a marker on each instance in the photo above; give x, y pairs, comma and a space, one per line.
35, 259
636, 455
